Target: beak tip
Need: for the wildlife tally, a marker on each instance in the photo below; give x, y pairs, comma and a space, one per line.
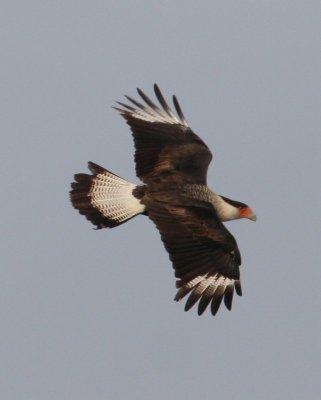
253, 218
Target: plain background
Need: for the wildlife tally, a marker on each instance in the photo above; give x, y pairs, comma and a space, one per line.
89, 314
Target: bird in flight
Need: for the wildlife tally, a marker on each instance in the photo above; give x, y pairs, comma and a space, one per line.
172, 162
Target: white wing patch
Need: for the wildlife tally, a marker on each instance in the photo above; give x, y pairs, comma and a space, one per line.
152, 112
205, 289
150, 115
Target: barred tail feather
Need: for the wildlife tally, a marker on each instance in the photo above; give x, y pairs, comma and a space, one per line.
104, 198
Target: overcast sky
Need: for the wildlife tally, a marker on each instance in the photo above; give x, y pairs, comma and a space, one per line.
90, 314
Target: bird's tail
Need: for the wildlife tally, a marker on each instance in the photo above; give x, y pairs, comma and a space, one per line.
104, 198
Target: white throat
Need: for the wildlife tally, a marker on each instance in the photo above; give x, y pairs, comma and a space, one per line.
225, 211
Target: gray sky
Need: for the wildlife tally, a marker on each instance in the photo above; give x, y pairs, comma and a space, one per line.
90, 314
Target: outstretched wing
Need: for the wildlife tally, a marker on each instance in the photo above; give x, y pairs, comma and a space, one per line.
167, 150
204, 254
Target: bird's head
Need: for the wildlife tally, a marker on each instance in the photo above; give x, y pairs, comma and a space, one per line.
235, 210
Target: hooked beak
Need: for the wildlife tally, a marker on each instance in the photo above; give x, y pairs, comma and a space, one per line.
246, 212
